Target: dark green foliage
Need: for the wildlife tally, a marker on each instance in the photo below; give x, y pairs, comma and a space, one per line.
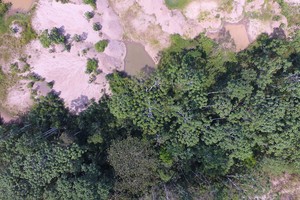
97, 26
49, 113
90, 2
218, 111
206, 124
134, 162
101, 45
54, 37
63, 1
91, 65
4, 7
89, 15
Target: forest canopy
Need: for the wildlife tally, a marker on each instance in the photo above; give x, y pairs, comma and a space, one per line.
206, 123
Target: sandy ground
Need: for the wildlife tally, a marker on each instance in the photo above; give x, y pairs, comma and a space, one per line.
18, 99
152, 23
239, 34
67, 69
23, 5
146, 22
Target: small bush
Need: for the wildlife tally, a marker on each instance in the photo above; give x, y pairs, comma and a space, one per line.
91, 66
30, 84
176, 4
63, 1
101, 45
89, 15
14, 68
77, 38
97, 26
4, 7
90, 2
50, 84
54, 37
276, 18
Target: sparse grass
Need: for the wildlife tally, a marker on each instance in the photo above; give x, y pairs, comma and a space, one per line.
6, 81
9, 44
177, 4
265, 14
292, 13
226, 5
203, 15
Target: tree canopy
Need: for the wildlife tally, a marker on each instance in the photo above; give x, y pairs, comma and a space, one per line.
206, 123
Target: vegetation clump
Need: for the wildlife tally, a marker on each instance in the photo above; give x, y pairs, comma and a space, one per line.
89, 15
55, 36
176, 4
101, 45
91, 66
97, 27
90, 2
291, 12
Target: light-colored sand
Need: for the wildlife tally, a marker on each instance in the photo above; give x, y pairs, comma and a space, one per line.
239, 35
18, 98
67, 69
24, 5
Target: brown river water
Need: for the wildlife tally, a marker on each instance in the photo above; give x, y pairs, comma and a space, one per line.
137, 58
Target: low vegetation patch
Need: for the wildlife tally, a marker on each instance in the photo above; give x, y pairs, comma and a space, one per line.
89, 15
292, 13
101, 45
91, 65
9, 43
227, 5
55, 36
63, 1
90, 2
6, 81
177, 4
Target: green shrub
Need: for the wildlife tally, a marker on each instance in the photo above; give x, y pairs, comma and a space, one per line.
90, 2
91, 66
50, 84
4, 7
44, 39
97, 26
101, 45
276, 18
292, 13
54, 37
30, 84
63, 1
89, 15
176, 4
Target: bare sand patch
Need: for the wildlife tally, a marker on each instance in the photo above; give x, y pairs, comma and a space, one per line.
239, 35
67, 69
5, 116
23, 5
18, 98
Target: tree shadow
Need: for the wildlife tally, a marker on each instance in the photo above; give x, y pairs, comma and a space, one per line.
79, 104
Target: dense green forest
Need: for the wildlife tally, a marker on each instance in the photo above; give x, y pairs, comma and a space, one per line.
207, 124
